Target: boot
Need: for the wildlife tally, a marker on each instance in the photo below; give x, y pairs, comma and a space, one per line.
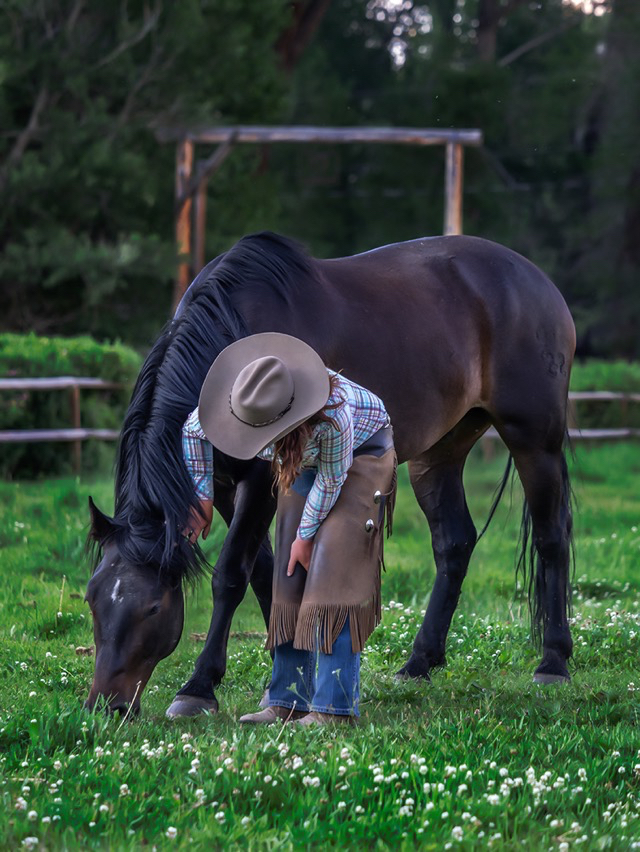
271, 714
317, 718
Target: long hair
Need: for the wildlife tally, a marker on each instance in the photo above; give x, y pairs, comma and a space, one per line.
288, 452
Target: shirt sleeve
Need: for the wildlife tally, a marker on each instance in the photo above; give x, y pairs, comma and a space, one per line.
198, 456
335, 457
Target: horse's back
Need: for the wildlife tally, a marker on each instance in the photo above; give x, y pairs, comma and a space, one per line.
441, 325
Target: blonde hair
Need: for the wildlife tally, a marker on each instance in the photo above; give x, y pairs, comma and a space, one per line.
288, 451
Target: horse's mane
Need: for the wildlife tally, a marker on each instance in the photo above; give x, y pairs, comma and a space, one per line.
153, 490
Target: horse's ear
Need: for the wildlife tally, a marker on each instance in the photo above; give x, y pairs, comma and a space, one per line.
101, 525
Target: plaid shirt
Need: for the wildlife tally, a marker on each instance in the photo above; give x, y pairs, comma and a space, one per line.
358, 414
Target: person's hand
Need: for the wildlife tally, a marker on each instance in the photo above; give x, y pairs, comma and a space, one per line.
301, 550
199, 521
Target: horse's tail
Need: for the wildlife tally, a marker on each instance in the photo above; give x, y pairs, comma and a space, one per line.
530, 569
497, 496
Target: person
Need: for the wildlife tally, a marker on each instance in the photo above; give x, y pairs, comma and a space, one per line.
330, 444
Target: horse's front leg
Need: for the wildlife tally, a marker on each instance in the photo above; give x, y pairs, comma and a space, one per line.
245, 546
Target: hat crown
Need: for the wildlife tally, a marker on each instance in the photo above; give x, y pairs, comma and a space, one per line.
262, 392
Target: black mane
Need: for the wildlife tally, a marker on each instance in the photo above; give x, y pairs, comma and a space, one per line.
153, 489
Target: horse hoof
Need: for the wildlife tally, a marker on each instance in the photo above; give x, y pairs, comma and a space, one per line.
547, 679
191, 705
406, 674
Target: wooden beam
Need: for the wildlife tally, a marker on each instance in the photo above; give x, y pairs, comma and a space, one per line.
184, 167
200, 220
206, 168
341, 135
44, 435
76, 455
58, 383
453, 189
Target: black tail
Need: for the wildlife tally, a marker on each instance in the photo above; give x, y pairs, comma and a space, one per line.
529, 568
497, 496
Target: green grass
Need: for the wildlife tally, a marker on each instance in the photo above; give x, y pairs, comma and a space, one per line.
479, 758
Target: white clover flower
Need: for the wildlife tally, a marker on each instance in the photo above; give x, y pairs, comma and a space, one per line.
341, 805
57, 765
30, 842
46, 819
103, 808
457, 833
429, 806
32, 694
171, 833
462, 788
21, 804
98, 751
245, 820
344, 754
267, 779
297, 762
359, 809
124, 790
220, 817
32, 816
493, 799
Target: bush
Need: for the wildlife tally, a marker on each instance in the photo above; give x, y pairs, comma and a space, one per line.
30, 356
616, 376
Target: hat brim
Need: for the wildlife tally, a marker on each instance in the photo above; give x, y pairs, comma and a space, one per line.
311, 392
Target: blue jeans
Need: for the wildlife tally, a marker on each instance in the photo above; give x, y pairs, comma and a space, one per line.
311, 680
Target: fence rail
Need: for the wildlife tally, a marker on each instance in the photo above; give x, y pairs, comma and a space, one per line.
77, 434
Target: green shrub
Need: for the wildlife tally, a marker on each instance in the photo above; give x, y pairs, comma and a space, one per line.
616, 376
30, 356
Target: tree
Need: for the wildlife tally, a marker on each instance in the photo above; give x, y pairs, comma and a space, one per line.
85, 225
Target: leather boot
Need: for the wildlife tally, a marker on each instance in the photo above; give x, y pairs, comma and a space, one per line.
271, 714
317, 718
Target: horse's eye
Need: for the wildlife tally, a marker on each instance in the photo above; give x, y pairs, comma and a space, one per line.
153, 610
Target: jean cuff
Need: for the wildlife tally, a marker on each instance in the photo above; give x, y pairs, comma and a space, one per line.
291, 705
333, 711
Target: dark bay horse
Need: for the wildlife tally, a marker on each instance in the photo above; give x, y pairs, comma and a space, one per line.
455, 334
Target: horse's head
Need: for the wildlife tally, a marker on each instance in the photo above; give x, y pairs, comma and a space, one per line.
138, 615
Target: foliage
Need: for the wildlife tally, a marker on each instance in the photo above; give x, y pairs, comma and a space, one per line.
27, 356
86, 230
480, 758
614, 376
86, 223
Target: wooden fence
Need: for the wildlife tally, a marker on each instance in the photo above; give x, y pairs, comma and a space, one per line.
76, 434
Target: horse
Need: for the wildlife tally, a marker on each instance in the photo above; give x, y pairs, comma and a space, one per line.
454, 333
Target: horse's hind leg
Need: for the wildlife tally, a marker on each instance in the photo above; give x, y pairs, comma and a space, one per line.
545, 480
436, 477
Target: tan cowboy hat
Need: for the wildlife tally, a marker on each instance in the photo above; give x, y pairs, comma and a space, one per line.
259, 389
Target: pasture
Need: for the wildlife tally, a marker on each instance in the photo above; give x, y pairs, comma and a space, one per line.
479, 758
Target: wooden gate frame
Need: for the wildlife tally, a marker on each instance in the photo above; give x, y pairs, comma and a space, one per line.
191, 183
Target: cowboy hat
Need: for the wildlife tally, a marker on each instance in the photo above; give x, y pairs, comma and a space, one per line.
258, 390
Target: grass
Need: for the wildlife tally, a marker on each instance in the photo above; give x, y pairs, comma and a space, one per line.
481, 757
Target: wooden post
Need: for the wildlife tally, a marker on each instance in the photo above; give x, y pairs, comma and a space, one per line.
453, 189
184, 167
200, 218
76, 446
